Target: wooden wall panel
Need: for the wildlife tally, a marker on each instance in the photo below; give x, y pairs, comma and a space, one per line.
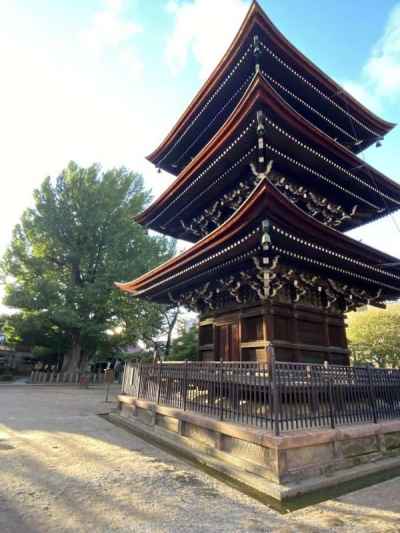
299, 333
206, 335
337, 336
311, 332
283, 328
252, 329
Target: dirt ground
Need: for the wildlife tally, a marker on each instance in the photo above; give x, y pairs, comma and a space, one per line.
65, 469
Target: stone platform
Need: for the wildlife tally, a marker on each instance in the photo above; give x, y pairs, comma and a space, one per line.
283, 466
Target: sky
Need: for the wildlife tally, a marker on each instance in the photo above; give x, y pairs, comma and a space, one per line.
104, 81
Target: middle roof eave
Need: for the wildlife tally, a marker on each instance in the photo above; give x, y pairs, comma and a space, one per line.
286, 218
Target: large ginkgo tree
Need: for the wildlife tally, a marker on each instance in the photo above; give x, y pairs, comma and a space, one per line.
66, 253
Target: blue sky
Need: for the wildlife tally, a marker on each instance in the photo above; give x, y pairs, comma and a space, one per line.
104, 80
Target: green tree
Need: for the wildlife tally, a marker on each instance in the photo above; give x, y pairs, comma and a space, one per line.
374, 336
186, 345
66, 254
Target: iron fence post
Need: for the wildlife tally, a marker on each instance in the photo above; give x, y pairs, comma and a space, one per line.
275, 412
185, 385
139, 379
221, 385
330, 396
372, 395
153, 377
159, 381
123, 387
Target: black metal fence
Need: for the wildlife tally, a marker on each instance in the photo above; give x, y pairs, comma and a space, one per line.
277, 397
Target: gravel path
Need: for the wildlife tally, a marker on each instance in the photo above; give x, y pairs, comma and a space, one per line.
64, 469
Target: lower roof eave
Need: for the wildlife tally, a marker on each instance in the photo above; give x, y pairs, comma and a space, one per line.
290, 226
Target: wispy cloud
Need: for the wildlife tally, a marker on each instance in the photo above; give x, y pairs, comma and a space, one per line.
383, 67
380, 77
363, 92
111, 29
204, 28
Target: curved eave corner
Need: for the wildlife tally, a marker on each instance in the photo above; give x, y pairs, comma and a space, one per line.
125, 287
140, 218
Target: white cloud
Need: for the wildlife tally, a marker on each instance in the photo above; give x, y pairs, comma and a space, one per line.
377, 88
204, 28
109, 27
383, 67
361, 92
111, 30
380, 76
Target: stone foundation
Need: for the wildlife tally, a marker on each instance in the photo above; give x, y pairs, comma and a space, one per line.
282, 467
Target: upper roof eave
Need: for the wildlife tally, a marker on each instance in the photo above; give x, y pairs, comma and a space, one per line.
261, 89
264, 199
256, 14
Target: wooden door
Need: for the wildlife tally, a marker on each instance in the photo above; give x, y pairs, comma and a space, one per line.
228, 342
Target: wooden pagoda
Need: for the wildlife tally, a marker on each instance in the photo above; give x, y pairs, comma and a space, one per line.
267, 181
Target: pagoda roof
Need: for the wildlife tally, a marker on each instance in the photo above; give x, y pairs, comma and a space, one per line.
314, 157
298, 80
295, 236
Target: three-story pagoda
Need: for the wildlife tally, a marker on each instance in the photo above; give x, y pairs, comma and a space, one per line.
267, 181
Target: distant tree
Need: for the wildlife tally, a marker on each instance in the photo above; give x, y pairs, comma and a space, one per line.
66, 253
374, 336
31, 329
185, 346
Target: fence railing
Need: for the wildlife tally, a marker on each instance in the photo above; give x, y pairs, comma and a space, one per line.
40, 376
277, 397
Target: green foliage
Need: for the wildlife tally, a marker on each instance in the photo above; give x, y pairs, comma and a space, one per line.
374, 336
66, 254
144, 356
32, 328
185, 347
44, 354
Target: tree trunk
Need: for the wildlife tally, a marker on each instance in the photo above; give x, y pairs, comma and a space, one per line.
72, 359
171, 325
84, 360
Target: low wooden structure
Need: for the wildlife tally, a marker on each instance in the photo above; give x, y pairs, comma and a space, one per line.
268, 179
43, 377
